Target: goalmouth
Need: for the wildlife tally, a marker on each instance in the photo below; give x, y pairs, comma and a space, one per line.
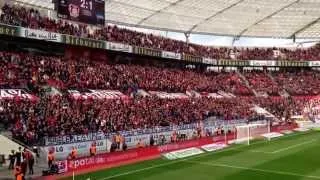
245, 133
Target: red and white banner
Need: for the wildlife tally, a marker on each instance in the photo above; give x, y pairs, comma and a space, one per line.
165, 95
97, 94
16, 93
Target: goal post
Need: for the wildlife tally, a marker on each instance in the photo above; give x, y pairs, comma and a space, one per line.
245, 133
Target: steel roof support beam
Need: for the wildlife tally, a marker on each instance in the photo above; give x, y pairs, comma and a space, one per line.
267, 17
305, 27
214, 15
157, 12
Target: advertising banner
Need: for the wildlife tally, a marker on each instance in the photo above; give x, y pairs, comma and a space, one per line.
314, 63
107, 159
209, 61
171, 55
225, 62
119, 47
9, 30
190, 58
62, 151
292, 63
40, 35
147, 51
183, 153
77, 41
214, 147
262, 63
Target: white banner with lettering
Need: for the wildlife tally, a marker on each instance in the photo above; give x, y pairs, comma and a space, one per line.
262, 63
170, 55
314, 63
13, 93
97, 94
119, 47
209, 61
165, 95
62, 151
40, 35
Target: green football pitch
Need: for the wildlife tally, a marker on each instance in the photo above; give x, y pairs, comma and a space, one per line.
291, 157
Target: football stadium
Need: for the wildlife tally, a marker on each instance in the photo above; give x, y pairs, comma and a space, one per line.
159, 89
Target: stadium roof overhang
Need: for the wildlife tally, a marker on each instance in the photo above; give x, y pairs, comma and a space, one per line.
252, 18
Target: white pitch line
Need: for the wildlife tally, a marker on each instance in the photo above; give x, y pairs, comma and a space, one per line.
255, 169
293, 146
181, 160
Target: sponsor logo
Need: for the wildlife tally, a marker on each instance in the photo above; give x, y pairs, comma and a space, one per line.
214, 147
170, 55
8, 30
40, 35
183, 153
272, 135
83, 42
314, 63
262, 63
119, 47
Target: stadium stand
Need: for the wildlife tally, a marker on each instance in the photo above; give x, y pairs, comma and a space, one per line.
55, 115
21, 16
114, 95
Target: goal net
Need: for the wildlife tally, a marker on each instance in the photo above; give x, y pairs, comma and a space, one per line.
248, 132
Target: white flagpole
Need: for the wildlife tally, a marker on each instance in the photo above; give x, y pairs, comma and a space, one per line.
225, 135
248, 134
73, 170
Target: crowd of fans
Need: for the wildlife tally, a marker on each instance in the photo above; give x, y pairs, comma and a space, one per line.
262, 83
22, 69
299, 83
61, 114
31, 18
54, 115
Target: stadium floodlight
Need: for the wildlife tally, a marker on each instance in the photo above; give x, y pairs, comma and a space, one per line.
245, 133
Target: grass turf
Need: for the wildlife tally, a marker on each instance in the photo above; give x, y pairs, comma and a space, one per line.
293, 157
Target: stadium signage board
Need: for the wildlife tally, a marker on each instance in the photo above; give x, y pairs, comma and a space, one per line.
86, 11
183, 153
72, 40
147, 51
62, 151
214, 147
260, 63
107, 159
91, 43
225, 62
209, 61
8, 30
62, 140
272, 135
190, 58
292, 63
314, 63
40, 35
119, 47
170, 55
